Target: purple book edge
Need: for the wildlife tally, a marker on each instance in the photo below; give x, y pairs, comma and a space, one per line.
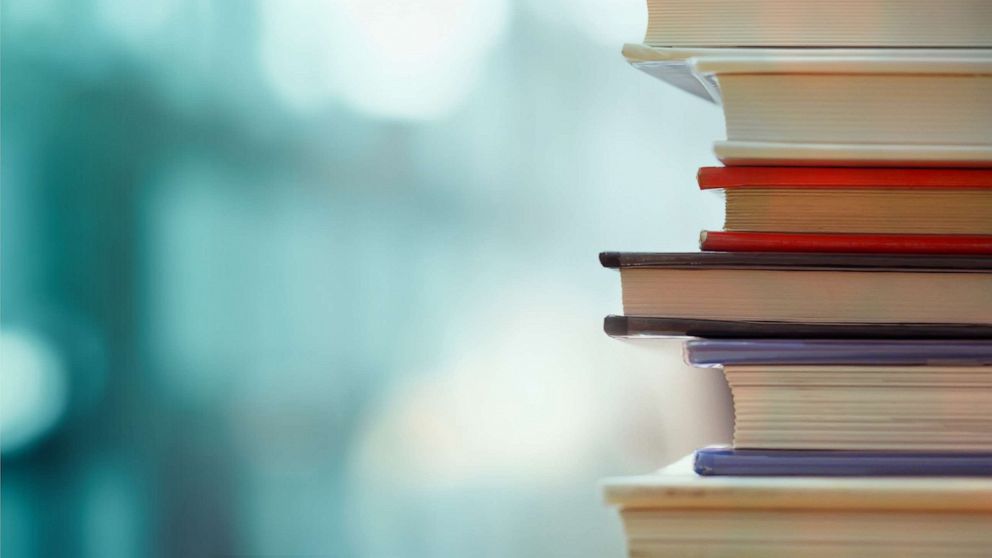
717, 352
762, 463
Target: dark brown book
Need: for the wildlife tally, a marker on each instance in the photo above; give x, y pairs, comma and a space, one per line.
657, 326
795, 261
807, 288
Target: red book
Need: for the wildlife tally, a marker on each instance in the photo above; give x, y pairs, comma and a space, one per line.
720, 241
833, 209
840, 177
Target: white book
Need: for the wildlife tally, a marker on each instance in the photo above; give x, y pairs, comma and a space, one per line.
676, 513
819, 23
841, 107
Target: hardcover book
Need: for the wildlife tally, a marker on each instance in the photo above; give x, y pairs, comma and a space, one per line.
677, 513
836, 107
937, 210
806, 288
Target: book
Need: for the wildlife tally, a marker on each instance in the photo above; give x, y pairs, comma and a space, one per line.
719, 461
862, 407
848, 298
734, 241
675, 65
710, 178
639, 327
813, 23
806, 287
677, 513
836, 107
918, 352
814, 110
867, 201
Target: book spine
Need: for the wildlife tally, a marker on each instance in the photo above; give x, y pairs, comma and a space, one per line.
722, 241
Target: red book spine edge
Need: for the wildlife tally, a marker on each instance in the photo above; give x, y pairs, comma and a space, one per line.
723, 241
837, 177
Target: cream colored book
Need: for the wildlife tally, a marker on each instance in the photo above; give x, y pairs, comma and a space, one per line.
676, 513
897, 408
818, 23
863, 107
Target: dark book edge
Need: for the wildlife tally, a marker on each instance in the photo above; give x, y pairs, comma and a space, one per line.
610, 260
616, 326
798, 261
644, 326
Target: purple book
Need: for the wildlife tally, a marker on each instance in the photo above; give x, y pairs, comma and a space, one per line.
765, 463
719, 352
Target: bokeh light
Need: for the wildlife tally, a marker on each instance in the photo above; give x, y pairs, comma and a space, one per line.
319, 278
405, 59
34, 392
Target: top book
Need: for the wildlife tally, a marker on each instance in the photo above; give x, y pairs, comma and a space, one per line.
819, 23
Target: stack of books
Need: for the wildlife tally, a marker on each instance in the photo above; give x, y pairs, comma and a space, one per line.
848, 299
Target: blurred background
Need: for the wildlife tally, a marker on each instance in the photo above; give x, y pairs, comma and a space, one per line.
319, 277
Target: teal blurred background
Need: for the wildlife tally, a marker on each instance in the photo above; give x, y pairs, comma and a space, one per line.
319, 278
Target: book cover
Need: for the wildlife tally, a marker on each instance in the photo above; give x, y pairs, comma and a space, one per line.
796, 261
662, 326
921, 352
839, 177
734, 241
779, 463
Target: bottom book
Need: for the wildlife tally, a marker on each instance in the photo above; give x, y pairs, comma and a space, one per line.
720, 461
677, 513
